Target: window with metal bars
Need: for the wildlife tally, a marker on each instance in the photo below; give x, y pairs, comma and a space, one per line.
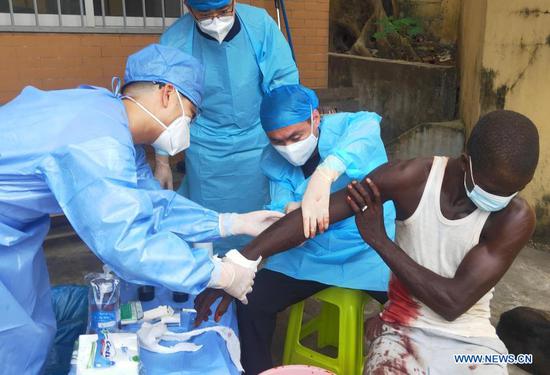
124, 16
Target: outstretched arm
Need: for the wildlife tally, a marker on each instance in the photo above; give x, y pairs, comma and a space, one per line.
288, 233
285, 234
402, 182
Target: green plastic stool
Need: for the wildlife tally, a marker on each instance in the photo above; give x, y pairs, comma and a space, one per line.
339, 324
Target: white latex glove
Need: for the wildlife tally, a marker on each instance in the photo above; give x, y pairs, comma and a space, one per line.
163, 172
252, 223
292, 206
236, 275
315, 202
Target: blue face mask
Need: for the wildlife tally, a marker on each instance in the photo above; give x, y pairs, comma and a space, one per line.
483, 200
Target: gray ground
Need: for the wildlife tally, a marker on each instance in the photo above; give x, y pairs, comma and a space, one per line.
527, 283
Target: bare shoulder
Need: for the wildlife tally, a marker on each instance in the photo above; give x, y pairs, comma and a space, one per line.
514, 225
401, 173
403, 182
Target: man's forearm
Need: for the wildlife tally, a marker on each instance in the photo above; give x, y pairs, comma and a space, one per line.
288, 232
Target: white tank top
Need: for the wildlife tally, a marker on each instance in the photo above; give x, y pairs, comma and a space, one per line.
439, 244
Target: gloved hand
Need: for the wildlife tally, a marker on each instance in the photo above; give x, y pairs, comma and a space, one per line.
163, 172
315, 202
236, 275
292, 206
252, 223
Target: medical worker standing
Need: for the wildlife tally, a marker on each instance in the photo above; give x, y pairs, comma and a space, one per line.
312, 156
245, 55
72, 151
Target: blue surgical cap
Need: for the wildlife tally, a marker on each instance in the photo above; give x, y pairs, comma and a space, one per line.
158, 63
287, 105
205, 5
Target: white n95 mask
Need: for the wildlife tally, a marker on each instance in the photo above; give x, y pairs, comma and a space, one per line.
176, 136
299, 152
484, 200
217, 27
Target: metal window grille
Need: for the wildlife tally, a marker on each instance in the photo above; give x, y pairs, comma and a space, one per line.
89, 16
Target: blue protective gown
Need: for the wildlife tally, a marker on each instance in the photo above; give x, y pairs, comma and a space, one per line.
339, 256
71, 151
223, 162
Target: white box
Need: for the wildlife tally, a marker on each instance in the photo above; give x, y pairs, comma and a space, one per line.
126, 355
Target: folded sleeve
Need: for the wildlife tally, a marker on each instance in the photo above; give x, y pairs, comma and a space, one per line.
356, 143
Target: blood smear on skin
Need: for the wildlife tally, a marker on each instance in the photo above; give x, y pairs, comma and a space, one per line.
401, 309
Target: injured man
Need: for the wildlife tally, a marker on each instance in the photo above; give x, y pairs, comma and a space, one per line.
460, 225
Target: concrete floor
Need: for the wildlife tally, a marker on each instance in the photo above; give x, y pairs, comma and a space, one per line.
527, 283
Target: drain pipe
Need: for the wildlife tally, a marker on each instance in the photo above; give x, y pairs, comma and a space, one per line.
280, 6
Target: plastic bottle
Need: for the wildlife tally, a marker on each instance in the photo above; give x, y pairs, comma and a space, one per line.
103, 301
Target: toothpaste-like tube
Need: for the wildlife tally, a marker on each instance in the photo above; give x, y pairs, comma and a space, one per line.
104, 351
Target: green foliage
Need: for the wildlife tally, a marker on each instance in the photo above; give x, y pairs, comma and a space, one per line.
407, 27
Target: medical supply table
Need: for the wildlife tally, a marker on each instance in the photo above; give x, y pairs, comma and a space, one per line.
212, 359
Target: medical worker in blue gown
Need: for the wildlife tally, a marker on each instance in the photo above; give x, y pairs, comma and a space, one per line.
311, 156
73, 151
245, 55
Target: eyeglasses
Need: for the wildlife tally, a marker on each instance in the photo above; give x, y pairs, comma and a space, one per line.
228, 10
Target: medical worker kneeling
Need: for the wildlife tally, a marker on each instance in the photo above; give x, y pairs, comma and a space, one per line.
75, 151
